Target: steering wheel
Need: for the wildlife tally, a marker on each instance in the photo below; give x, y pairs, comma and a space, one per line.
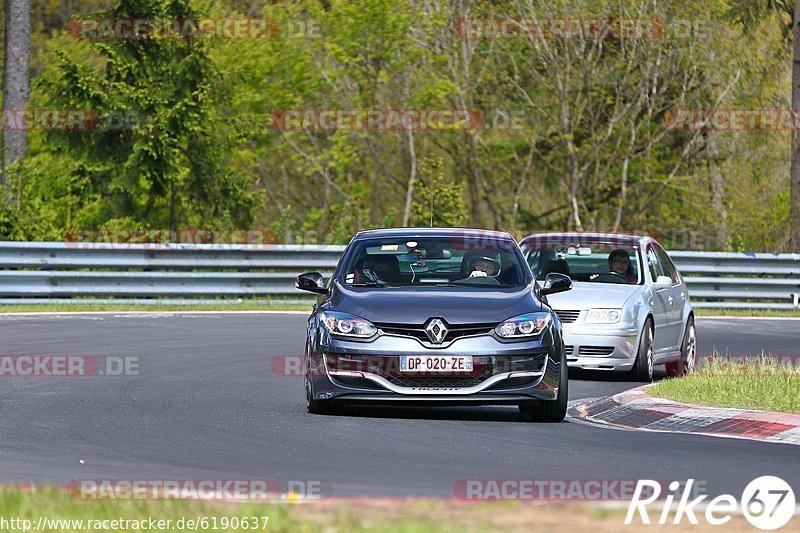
616, 276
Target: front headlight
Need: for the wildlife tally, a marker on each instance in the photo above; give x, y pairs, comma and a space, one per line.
603, 316
529, 325
347, 325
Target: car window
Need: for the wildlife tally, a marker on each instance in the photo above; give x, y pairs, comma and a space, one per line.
653, 263
434, 261
597, 262
667, 265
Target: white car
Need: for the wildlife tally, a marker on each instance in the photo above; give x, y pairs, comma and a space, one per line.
629, 308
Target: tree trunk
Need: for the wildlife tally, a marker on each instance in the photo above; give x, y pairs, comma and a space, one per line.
717, 190
411, 178
172, 225
16, 78
794, 174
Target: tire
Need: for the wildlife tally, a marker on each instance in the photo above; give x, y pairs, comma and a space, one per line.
551, 411
315, 407
643, 367
688, 359
320, 407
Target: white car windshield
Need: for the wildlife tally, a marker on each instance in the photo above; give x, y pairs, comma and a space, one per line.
598, 263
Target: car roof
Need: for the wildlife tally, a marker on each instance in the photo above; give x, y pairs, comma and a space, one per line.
432, 232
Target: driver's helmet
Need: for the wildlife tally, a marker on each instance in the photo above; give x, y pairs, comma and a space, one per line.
380, 268
488, 262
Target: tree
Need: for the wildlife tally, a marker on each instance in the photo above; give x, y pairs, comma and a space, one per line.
750, 14
163, 168
16, 81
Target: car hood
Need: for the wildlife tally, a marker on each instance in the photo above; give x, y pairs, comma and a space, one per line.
586, 295
415, 305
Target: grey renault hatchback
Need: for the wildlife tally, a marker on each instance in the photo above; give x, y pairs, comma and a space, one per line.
435, 317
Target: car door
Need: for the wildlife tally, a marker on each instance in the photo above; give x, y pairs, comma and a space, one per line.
676, 299
660, 305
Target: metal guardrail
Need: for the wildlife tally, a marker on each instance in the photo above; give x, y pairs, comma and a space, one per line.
148, 273
741, 280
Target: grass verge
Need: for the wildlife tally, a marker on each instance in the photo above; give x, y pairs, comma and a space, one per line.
112, 306
763, 383
755, 313
406, 515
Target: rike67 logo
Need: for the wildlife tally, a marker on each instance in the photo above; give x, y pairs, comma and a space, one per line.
768, 503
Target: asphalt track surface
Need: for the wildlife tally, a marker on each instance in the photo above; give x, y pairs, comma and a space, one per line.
208, 405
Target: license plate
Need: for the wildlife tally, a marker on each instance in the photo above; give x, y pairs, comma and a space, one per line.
435, 363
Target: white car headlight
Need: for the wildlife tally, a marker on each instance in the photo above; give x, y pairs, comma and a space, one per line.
603, 316
528, 325
347, 325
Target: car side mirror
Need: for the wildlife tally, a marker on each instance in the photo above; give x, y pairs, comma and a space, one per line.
312, 282
554, 283
663, 282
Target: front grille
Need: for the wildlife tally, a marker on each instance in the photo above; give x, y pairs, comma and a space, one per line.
568, 316
568, 349
597, 351
388, 367
449, 382
454, 331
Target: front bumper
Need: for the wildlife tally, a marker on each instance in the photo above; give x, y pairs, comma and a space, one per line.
503, 372
606, 347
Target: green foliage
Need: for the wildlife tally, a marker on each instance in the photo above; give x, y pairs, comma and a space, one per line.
439, 201
155, 159
587, 144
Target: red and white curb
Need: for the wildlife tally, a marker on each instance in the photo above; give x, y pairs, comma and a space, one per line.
635, 409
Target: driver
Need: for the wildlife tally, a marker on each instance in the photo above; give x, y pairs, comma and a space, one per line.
485, 266
619, 263
380, 268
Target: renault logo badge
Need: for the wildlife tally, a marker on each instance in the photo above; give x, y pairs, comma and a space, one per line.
436, 330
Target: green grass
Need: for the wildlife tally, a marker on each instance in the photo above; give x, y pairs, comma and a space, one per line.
55, 503
762, 383
790, 313
122, 307
407, 515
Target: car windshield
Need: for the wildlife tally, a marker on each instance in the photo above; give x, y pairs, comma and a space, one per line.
434, 261
597, 263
